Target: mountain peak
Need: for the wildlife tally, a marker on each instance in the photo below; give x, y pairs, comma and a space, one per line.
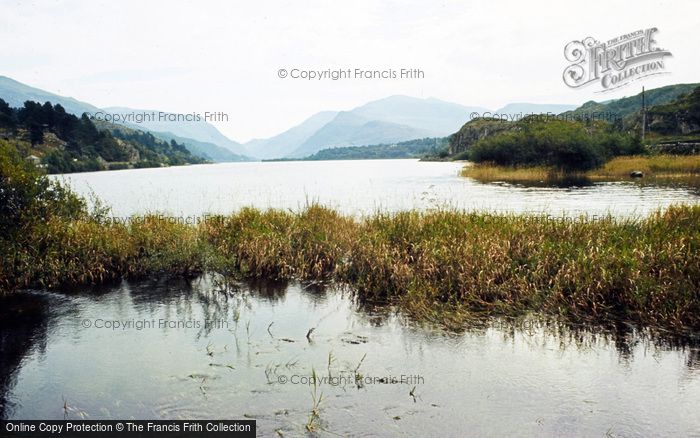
390, 119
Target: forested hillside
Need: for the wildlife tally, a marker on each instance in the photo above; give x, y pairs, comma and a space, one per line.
64, 143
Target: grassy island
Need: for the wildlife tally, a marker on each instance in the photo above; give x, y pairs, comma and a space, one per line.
652, 167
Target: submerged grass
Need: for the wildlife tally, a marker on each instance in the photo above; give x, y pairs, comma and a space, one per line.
441, 264
653, 166
491, 172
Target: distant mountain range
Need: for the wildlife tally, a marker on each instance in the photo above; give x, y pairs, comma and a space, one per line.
419, 148
287, 142
200, 138
350, 129
389, 120
385, 121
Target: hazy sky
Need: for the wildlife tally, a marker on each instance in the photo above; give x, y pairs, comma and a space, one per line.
225, 55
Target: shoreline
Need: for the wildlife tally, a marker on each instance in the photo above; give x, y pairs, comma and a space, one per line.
618, 169
438, 265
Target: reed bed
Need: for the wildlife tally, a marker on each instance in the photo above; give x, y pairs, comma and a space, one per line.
619, 168
440, 264
651, 165
492, 173
62, 253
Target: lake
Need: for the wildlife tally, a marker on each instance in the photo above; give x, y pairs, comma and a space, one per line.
211, 352
356, 187
204, 349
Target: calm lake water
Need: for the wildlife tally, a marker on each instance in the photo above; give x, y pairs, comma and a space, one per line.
253, 360
198, 350
355, 187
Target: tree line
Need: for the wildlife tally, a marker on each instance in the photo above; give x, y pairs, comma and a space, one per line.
84, 146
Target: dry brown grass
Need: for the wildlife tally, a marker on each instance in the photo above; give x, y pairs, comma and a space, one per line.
493, 173
646, 270
439, 263
653, 166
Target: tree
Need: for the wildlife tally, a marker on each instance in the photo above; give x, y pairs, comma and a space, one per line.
6, 116
569, 146
36, 134
27, 197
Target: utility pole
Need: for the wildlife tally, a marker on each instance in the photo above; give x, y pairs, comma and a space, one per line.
644, 115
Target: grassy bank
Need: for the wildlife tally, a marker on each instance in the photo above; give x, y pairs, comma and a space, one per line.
433, 264
619, 168
646, 271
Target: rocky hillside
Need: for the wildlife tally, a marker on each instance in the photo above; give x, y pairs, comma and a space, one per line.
673, 118
473, 131
680, 117
627, 106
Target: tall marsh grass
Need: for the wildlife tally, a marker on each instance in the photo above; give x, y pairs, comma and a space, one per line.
433, 264
646, 270
61, 253
490, 172
653, 166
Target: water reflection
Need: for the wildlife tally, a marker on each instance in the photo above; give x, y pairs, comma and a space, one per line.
690, 184
23, 331
498, 376
566, 182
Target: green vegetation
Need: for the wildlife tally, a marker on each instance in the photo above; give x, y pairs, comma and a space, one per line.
487, 172
407, 149
48, 238
27, 199
563, 145
206, 150
476, 129
431, 264
66, 143
654, 167
628, 106
553, 149
682, 116
567, 146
